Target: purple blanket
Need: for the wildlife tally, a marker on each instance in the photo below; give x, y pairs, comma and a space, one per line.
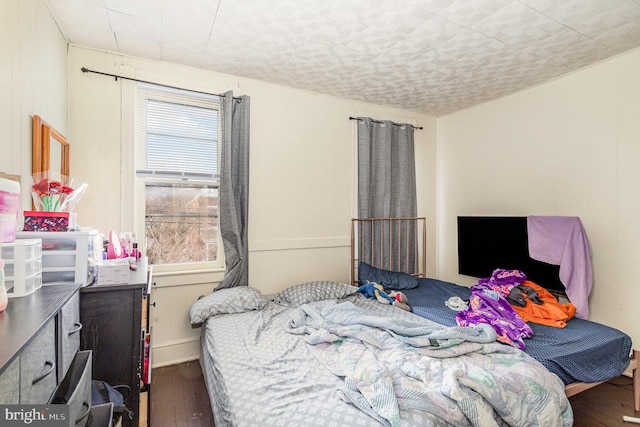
561, 240
488, 304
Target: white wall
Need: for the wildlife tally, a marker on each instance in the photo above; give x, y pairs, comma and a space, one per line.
569, 147
33, 80
302, 177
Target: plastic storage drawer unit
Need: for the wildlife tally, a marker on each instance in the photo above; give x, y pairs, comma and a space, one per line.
22, 266
67, 257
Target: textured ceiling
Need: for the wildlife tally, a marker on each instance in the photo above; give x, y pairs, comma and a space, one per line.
432, 56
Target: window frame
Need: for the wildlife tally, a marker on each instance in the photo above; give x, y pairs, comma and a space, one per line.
143, 178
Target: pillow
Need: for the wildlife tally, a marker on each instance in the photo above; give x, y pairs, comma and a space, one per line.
393, 280
313, 291
224, 301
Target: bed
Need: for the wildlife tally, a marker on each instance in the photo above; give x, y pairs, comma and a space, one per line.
582, 355
321, 354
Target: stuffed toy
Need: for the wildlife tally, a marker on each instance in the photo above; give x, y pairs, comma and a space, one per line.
376, 291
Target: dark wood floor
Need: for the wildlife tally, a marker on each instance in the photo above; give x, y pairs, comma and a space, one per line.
604, 405
179, 399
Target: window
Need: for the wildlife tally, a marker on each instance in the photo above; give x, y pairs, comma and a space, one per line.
178, 136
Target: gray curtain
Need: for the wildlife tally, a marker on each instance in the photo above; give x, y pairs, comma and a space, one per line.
387, 183
234, 190
386, 170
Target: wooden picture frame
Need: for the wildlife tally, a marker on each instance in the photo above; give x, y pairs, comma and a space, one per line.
50, 149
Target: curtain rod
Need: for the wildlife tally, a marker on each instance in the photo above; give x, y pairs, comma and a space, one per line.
380, 121
86, 70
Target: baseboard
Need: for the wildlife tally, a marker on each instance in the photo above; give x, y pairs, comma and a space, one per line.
175, 352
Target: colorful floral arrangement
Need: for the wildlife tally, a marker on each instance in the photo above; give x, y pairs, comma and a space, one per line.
52, 196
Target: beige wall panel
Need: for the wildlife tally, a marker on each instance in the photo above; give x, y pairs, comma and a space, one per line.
33, 80
291, 267
174, 339
569, 147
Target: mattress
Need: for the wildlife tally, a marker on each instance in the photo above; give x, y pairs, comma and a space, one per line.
584, 351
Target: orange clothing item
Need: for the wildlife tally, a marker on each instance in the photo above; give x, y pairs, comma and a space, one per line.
550, 313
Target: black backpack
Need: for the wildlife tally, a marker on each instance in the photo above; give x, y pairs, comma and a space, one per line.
102, 392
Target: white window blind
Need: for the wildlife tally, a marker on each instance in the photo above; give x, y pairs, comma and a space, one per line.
177, 133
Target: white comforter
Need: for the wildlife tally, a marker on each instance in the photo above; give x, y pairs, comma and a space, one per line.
460, 375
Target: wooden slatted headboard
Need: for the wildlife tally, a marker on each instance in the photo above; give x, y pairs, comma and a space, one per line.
396, 244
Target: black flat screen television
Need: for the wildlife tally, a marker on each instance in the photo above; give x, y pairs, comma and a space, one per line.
489, 242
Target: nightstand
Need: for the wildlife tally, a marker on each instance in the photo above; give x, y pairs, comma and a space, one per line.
112, 316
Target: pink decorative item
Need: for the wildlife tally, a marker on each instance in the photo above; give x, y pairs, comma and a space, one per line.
114, 248
9, 204
46, 221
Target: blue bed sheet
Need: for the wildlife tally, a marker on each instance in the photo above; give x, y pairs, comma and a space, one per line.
584, 351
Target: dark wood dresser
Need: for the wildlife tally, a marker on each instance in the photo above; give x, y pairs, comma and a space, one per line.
39, 337
114, 329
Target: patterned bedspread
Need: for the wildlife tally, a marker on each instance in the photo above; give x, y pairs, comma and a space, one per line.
259, 374
461, 376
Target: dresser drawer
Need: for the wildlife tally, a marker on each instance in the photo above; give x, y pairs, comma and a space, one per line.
70, 335
10, 382
75, 390
38, 367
